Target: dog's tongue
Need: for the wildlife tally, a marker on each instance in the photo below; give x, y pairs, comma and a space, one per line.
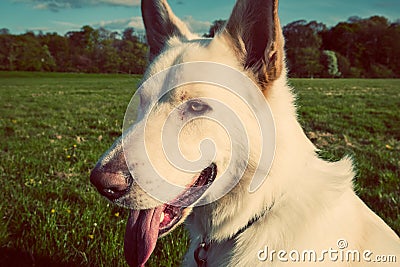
141, 235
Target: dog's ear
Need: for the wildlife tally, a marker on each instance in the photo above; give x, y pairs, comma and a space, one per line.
255, 32
161, 24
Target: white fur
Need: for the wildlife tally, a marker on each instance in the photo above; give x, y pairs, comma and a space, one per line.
313, 202
310, 203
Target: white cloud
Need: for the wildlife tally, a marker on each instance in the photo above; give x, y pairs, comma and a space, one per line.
53, 6
67, 24
137, 23
120, 2
38, 29
56, 5
197, 26
121, 24
41, 6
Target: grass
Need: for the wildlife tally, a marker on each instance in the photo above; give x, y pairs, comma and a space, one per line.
54, 127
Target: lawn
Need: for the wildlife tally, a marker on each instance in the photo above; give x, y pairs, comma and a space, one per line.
54, 127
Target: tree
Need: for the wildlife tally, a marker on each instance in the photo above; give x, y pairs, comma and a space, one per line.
133, 56
371, 45
30, 55
107, 56
8, 54
83, 49
343, 65
59, 49
330, 62
303, 44
358, 47
133, 52
48, 62
216, 26
4, 31
129, 35
391, 46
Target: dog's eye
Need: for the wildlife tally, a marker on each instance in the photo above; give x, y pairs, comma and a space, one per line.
197, 107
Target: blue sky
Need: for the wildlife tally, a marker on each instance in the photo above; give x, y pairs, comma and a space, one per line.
65, 15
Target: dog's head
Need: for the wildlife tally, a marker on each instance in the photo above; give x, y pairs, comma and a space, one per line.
143, 169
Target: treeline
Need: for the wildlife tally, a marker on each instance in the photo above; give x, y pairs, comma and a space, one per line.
88, 50
356, 48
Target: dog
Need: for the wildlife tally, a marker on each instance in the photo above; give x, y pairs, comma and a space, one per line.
303, 212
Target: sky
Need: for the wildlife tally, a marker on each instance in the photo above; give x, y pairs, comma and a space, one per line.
62, 16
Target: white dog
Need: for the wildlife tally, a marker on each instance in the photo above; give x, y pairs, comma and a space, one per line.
304, 213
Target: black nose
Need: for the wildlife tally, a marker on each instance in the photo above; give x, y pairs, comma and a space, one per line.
112, 185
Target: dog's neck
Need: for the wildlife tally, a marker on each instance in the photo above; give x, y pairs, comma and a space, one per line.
200, 253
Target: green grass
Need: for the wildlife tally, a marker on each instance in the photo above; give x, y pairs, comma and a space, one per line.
54, 127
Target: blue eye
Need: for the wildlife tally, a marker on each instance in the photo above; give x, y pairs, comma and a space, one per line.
197, 107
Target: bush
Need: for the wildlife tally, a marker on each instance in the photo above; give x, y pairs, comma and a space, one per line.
381, 71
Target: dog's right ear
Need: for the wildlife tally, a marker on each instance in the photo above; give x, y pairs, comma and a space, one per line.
161, 24
254, 31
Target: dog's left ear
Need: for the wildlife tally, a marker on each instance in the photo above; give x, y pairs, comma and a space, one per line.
256, 34
161, 24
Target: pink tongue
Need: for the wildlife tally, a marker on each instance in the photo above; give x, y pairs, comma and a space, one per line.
141, 235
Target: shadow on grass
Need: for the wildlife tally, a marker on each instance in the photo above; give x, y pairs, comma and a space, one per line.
17, 258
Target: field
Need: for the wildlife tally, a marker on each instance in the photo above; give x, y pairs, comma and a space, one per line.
54, 127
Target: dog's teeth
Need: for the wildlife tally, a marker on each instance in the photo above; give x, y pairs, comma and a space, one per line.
162, 217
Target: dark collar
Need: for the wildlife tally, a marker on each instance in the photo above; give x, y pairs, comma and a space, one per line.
200, 254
